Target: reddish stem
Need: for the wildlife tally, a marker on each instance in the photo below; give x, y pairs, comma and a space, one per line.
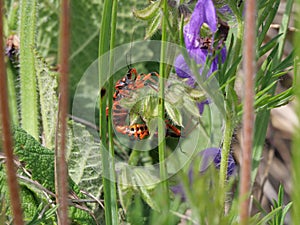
7, 139
248, 118
60, 149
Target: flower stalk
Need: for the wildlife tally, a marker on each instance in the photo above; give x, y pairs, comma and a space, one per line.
106, 42
248, 117
61, 168
161, 108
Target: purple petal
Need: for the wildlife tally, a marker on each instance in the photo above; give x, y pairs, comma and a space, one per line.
204, 12
182, 68
231, 163
225, 10
179, 191
223, 54
198, 54
208, 156
183, 71
201, 105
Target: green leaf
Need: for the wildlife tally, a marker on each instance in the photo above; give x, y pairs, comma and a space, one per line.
266, 18
79, 216
191, 107
47, 84
38, 159
287, 62
149, 12
267, 47
29, 199
12, 14
174, 114
136, 180
269, 216
84, 160
41, 216
84, 37
153, 26
142, 180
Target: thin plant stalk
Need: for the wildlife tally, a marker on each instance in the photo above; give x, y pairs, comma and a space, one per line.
229, 121
225, 155
161, 108
12, 96
113, 191
6, 136
104, 46
61, 175
248, 117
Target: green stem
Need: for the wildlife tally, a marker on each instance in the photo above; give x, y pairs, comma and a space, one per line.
28, 87
104, 41
161, 110
134, 158
113, 191
230, 115
224, 157
12, 98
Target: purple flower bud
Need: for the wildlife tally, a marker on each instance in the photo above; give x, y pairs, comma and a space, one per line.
208, 156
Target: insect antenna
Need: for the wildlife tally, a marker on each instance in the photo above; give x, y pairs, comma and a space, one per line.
128, 54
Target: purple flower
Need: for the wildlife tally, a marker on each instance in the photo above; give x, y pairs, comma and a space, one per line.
199, 48
208, 156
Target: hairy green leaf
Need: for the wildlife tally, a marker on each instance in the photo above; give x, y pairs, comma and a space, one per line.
47, 84
38, 159
149, 12
84, 160
174, 114
153, 26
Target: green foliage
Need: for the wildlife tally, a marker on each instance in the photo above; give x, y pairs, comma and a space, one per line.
268, 73
136, 181
43, 215
152, 14
84, 160
278, 213
39, 160
279, 217
47, 85
141, 203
